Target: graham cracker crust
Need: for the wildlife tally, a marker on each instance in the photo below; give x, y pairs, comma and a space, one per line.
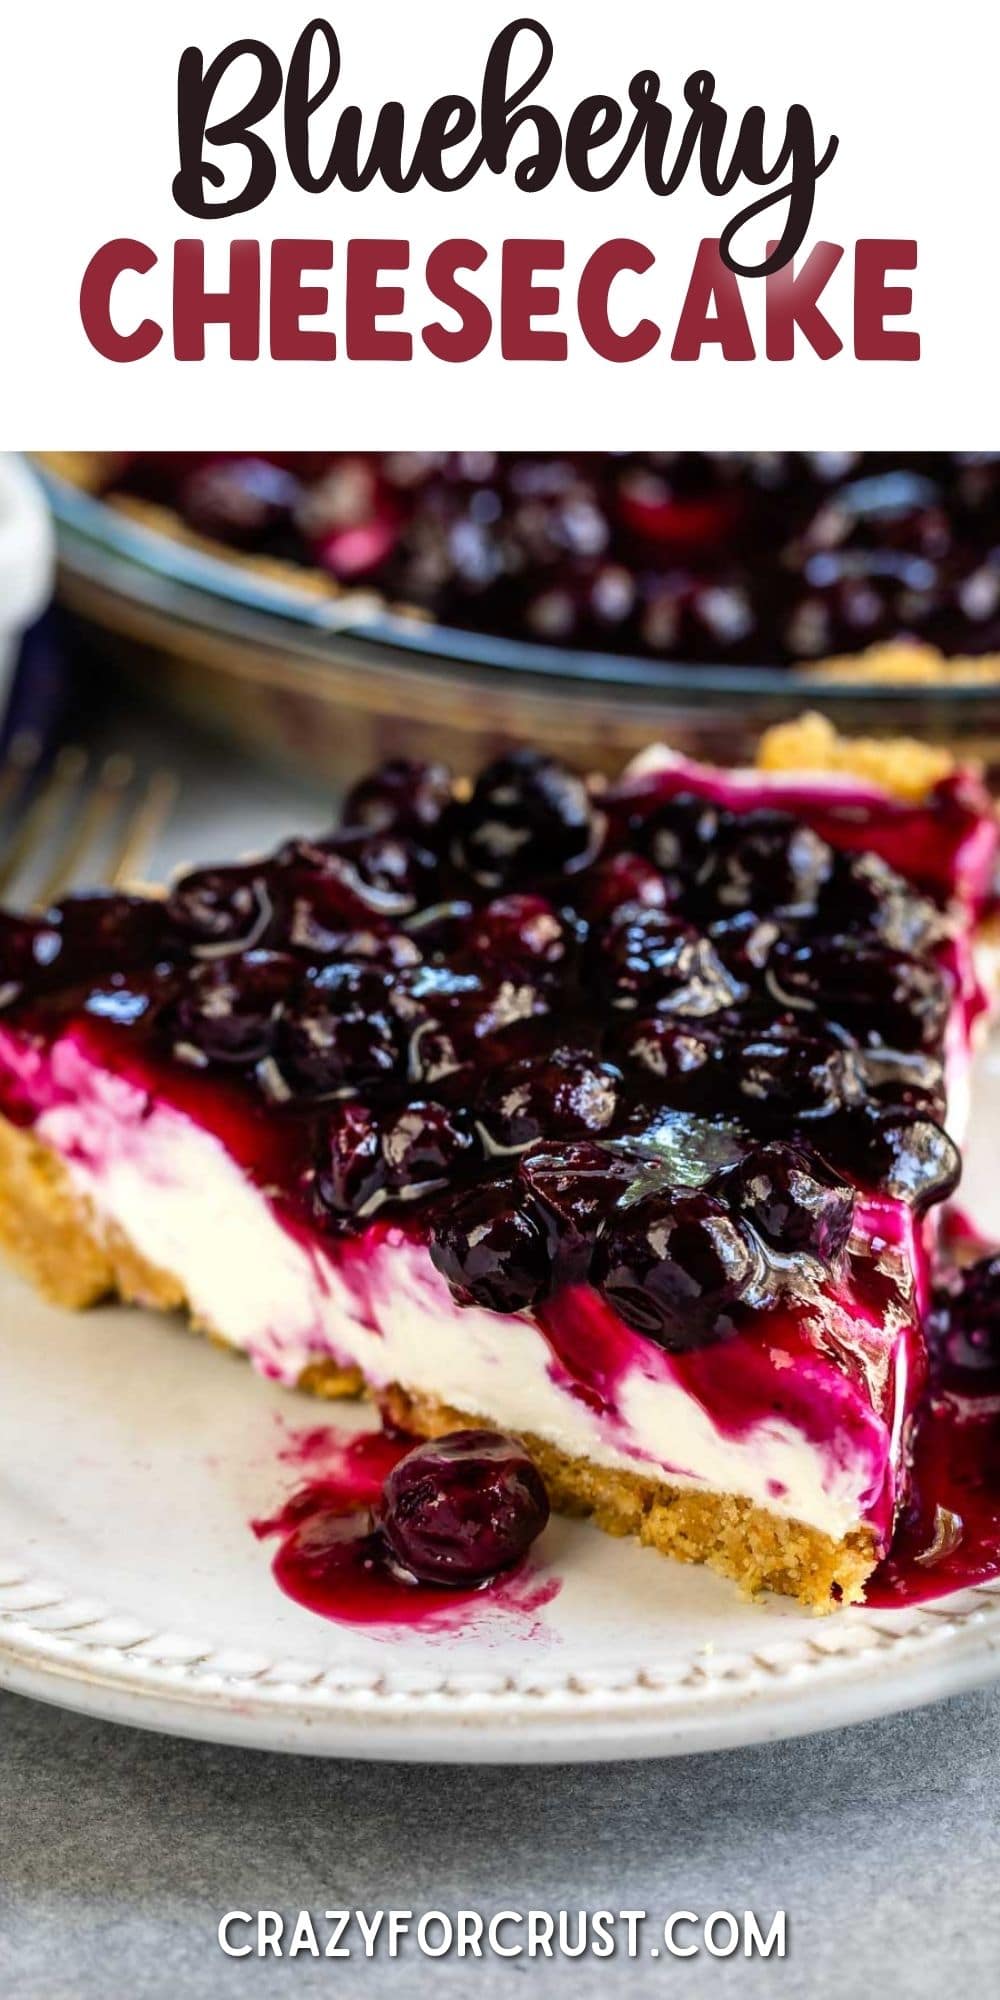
52, 1237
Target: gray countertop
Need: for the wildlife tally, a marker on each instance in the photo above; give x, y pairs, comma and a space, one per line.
119, 1851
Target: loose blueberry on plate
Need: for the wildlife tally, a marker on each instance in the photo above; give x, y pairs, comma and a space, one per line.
462, 1508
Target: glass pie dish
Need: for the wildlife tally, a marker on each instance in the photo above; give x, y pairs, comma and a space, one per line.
331, 681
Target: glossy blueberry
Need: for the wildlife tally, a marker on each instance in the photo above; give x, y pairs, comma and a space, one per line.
864, 894
651, 959
529, 817
911, 1155
566, 1094
682, 1059
626, 879
218, 910
768, 863
108, 931
518, 931
462, 1508
336, 1031
29, 947
679, 833
914, 1081
792, 1201
867, 988
403, 796
425, 1145
675, 1267
782, 1076
350, 880
573, 1186
350, 1169
492, 1250
228, 1010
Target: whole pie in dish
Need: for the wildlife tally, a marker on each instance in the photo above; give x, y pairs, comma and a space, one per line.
864, 565
614, 1117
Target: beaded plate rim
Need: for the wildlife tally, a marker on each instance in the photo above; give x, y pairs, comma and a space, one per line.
849, 1668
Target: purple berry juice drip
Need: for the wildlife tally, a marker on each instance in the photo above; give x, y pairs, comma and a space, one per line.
393, 1532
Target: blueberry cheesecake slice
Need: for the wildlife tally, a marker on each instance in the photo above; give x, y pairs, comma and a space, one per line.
615, 1117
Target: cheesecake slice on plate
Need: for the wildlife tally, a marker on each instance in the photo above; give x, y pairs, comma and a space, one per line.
612, 1116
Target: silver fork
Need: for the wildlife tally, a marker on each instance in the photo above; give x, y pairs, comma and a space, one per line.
73, 817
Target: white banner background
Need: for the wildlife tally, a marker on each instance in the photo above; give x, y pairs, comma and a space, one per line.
88, 137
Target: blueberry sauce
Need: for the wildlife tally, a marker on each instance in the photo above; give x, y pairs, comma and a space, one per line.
948, 1534
762, 558
388, 1531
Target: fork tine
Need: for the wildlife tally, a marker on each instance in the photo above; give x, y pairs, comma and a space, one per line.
142, 829
18, 765
43, 812
84, 832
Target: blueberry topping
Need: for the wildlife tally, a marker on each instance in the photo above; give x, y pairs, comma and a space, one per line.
572, 1188
766, 860
218, 910
229, 1009
425, 1146
791, 1200
492, 1250
874, 992
336, 1032
675, 1267
462, 1508
529, 818
629, 1037
567, 1094
350, 1170
401, 797
28, 947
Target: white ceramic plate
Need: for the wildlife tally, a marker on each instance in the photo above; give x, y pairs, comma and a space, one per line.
132, 1459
